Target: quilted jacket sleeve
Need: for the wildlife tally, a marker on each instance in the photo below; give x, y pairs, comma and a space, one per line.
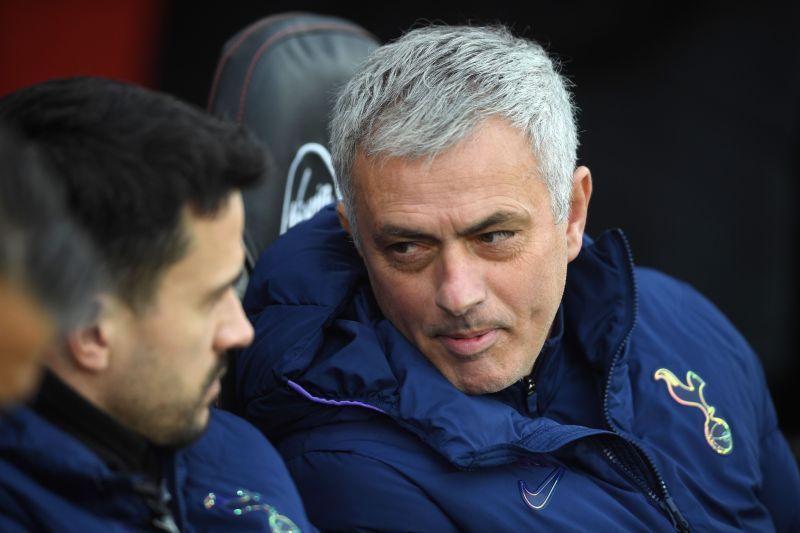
353, 492
781, 480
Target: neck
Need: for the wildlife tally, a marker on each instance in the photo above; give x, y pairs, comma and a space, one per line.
119, 448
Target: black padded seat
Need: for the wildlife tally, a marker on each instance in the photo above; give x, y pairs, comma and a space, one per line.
279, 76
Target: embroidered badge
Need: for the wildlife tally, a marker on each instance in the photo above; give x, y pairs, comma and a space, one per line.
248, 502
538, 498
717, 432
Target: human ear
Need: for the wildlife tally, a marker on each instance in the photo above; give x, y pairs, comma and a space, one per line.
341, 211
89, 346
578, 210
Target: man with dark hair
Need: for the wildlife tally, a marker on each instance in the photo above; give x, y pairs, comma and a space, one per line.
47, 269
121, 434
447, 351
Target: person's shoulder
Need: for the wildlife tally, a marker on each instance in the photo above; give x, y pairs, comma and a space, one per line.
367, 471
235, 443
227, 429
46, 477
661, 293
651, 281
222, 420
233, 459
676, 311
25, 433
232, 448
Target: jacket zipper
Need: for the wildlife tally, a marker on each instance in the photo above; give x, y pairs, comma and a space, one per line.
664, 500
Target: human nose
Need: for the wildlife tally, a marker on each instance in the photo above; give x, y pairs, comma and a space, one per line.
460, 285
235, 330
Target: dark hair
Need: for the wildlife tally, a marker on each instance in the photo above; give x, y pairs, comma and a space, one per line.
41, 250
131, 159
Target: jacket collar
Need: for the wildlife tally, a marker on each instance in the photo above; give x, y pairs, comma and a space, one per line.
120, 449
600, 300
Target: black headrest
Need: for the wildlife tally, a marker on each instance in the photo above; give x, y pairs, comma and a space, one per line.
279, 76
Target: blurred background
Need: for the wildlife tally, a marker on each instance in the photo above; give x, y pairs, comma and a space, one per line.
689, 120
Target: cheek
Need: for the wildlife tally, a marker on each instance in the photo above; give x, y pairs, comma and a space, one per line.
396, 300
180, 342
533, 282
193, 349
402, 299
25, 329
17, 379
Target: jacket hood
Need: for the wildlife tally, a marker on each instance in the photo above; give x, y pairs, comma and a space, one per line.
322, 342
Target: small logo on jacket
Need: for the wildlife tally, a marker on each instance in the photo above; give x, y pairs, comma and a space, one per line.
248, 502
540, 497
717, 432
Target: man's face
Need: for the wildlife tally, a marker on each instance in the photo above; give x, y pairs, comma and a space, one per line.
464, 255
166, 360
25, 331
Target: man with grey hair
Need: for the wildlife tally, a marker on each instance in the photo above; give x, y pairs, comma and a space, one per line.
468, 359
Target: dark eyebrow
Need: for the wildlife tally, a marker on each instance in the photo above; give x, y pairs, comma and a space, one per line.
390, 230
500, 217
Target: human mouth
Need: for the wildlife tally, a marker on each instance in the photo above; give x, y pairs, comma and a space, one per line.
467, 344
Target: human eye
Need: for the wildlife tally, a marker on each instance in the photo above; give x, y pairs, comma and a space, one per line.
407, 255
404, 248
220, 293
496, 237
213, 299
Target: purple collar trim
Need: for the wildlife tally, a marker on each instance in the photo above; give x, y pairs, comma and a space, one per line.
341, 403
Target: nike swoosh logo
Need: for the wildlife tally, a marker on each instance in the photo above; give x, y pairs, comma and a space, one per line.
539, 498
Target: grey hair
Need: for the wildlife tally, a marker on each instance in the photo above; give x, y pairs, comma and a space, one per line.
428, 90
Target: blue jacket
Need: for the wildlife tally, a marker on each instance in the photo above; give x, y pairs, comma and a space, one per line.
51, 482
650, 412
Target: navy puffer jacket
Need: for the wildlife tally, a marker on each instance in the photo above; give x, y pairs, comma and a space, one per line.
650, 413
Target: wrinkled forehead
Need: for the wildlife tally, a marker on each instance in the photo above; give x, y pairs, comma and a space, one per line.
492, 148
490, 170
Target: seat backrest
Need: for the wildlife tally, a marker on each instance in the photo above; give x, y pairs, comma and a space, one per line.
279, 76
